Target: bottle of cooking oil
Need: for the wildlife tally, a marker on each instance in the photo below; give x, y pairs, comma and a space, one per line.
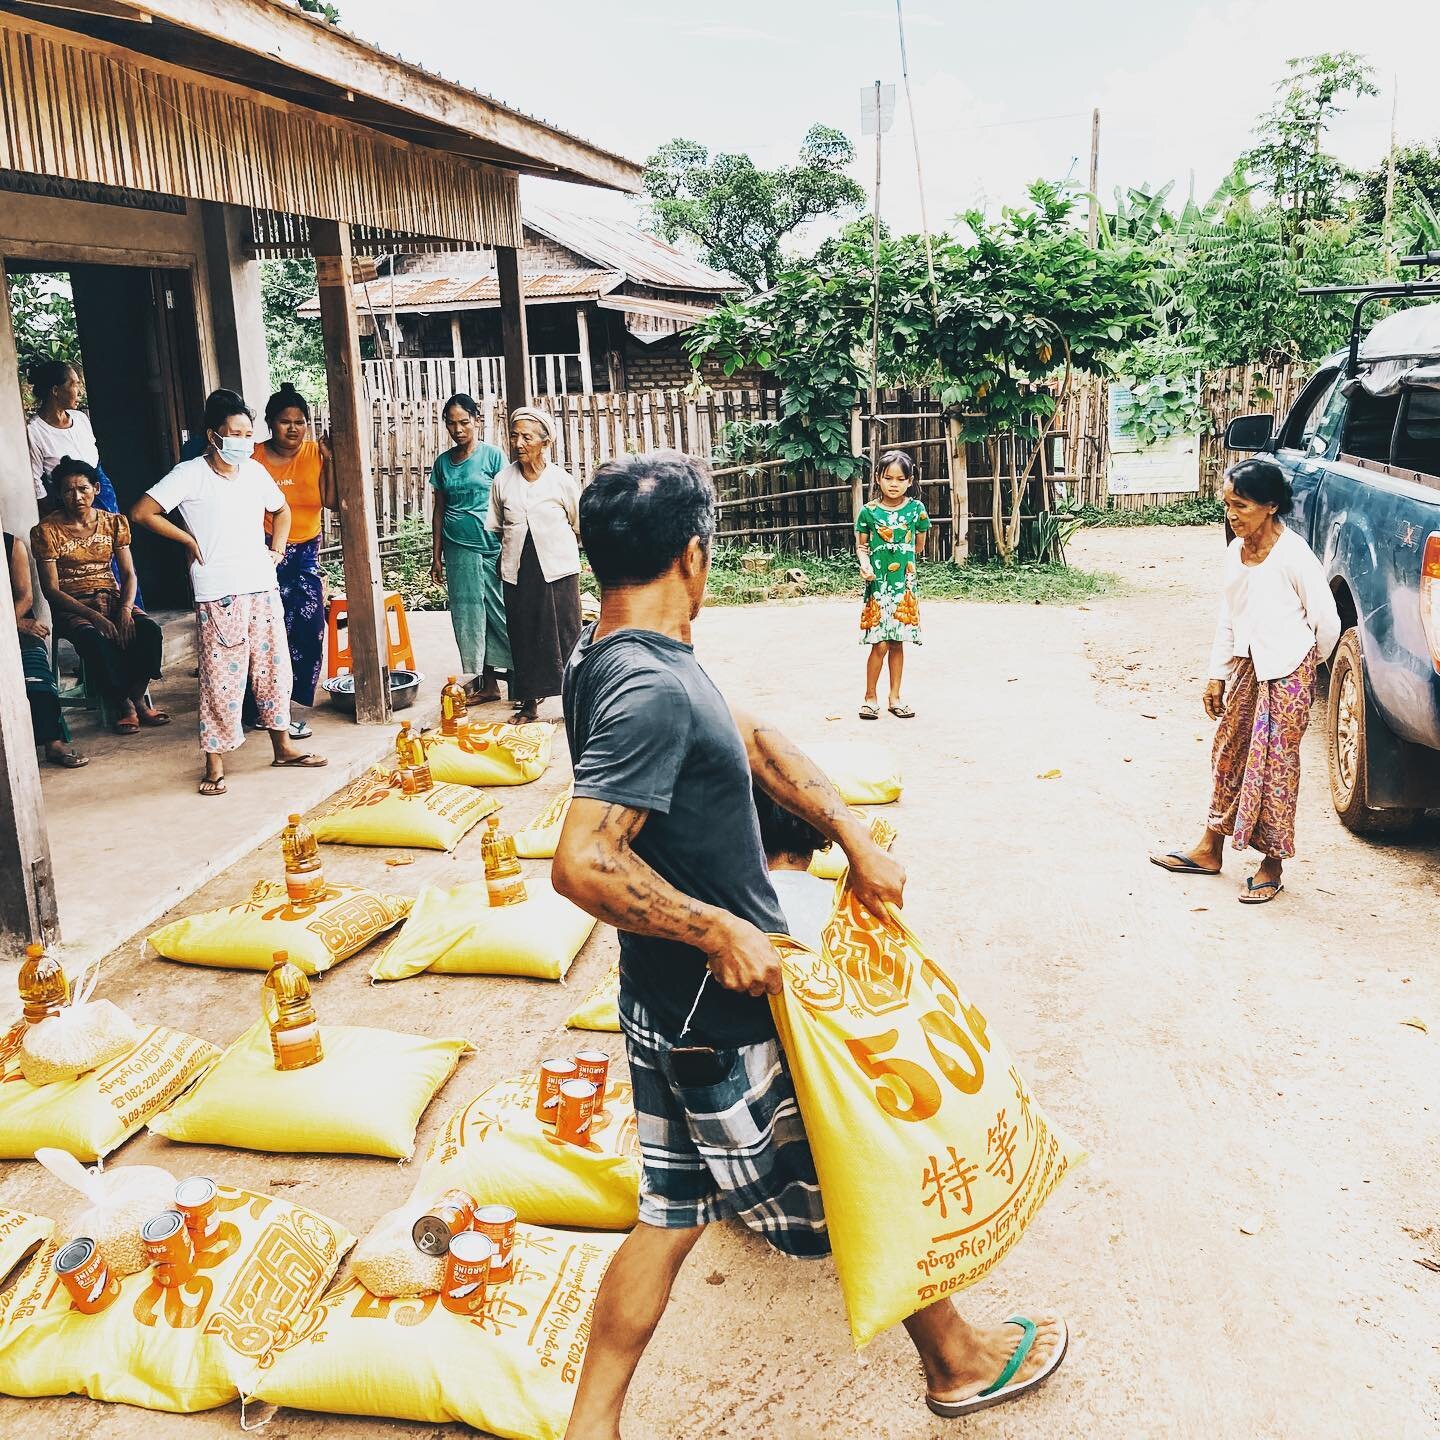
453, 706
304, 874
504, 883
415, 777
44, 990
294, 1026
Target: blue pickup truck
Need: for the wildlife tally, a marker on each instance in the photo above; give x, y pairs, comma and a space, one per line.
1361, 447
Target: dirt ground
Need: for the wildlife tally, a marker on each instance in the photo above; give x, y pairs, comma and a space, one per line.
1225, 1066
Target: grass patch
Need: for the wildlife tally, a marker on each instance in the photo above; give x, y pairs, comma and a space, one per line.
839, 576
1179, 512
406, 569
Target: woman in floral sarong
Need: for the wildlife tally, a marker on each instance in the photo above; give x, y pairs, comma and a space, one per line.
889, 538
1278, 622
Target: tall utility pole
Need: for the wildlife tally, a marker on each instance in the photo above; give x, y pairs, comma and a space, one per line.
877, 113
1390, 179
1092, 230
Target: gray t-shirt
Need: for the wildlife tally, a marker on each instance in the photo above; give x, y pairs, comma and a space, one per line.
649, 730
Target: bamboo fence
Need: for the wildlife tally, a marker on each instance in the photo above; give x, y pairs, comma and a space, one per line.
767, 503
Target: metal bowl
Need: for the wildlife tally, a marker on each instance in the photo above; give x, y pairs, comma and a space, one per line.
404, 686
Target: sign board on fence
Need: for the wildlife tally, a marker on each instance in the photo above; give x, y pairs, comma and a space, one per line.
1169, 467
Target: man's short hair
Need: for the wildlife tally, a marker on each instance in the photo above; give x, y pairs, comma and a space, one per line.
639, 512
781, 831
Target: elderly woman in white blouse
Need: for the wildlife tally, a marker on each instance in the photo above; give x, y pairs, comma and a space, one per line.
1278, 622
535, 508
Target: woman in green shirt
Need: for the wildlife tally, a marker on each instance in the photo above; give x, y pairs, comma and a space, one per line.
889, 537
466, 556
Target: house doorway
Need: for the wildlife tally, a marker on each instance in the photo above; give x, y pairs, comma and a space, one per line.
132, 332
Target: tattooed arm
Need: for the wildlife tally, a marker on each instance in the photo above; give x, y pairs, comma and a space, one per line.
596, 868
791, 779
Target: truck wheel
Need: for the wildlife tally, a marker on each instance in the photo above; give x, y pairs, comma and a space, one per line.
1347, 749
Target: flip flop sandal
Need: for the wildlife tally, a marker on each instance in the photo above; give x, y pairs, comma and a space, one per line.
67, 760
210, 788
299, 730
998, 1392
154, 719
902, 712
1261, 894
1183, 864
300, 762
126, 727
869, 712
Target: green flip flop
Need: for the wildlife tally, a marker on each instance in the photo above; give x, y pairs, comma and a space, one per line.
1000, 1389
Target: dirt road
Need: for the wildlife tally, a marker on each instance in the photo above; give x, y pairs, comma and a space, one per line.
1224, 1065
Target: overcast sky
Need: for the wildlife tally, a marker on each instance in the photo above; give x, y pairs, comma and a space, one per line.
1003, 92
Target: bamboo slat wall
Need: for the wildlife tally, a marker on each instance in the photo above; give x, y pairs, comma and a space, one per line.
773, 505
86, 110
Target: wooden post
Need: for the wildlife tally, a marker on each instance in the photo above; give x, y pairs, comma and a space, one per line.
349, 445
582, 326
457, 349
512, 327
857, 444
958, 466
1092, 228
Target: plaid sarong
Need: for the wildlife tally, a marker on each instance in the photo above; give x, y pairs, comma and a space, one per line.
737, 1148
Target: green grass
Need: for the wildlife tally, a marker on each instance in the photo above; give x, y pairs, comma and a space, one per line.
1025, 584
406, 568
1179, 512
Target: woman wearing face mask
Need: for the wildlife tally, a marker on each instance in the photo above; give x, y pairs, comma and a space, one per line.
223, 497
535, 509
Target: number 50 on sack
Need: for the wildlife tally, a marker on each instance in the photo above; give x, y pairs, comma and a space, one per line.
932, 1155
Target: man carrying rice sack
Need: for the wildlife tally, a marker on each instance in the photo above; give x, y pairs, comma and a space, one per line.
662, 841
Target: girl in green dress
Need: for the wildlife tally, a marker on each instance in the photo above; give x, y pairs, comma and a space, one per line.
466, 556
889, 538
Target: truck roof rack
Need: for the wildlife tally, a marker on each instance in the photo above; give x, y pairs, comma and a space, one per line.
1380, 290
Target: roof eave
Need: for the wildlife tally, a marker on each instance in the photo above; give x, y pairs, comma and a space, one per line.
287, 36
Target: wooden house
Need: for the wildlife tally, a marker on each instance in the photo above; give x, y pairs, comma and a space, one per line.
153, 150
607, 306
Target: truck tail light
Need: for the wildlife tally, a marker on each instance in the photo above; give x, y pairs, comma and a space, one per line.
1430, 596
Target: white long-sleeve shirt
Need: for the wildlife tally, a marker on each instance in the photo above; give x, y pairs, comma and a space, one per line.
1274, 612
547, 510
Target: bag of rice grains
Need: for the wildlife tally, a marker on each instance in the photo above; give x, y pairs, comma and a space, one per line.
83, 1036
120, 1201
388, 1264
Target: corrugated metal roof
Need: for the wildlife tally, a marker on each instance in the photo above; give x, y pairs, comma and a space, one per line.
620, 246
431, 290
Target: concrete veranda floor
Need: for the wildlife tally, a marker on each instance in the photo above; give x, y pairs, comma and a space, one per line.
130, 834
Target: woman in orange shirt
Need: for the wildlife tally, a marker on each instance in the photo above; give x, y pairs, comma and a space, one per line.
300, 466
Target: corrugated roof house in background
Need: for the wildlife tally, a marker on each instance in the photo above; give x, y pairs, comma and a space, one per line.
606, 306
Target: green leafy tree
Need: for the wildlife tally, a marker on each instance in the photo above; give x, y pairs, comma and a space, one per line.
1417, 177
1017, 300
43, 314
1304, 180
737, 213
294, 345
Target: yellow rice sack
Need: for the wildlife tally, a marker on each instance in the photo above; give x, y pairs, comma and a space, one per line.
509, 1371
93, 1114
498, 754
830, 863
19, 1235
865, 772
455, 932
931, 1153
497, 1150
375, 811
601, 1009
189, 1348
316, 933
365, 1097
539, 839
